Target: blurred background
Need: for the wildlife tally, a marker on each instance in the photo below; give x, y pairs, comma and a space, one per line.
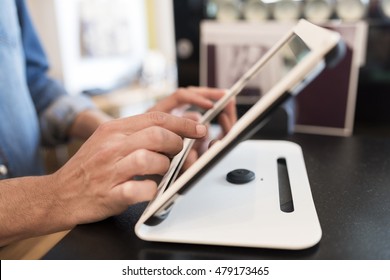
127, 54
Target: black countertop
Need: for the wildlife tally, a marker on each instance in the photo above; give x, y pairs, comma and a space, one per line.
350, 183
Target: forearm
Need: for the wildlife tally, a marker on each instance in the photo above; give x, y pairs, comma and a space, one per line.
29, 206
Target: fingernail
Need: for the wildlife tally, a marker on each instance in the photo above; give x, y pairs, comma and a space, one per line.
201, 129
210, 103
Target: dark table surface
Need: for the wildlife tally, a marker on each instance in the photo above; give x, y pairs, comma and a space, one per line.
350, 182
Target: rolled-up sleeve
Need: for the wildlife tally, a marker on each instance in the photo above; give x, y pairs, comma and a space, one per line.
55, 108
59, 116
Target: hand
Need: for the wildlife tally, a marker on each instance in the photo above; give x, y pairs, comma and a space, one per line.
202, 97
226, 119
97, 182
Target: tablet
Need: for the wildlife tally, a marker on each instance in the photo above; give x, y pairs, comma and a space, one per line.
296, 59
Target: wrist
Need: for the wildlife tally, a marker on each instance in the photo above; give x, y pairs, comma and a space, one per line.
87, 122
29, 206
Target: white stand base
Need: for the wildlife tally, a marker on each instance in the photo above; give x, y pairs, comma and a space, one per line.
217, 212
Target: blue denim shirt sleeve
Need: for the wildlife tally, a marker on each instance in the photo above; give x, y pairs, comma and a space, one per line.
56, 109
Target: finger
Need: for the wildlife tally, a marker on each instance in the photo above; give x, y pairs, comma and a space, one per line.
202, 97
166, 105
183, 97
139, 163
188, 96
191, 158
181, 126
225, 123
231, 111
156, 139
195, 116
131, 192
209, 93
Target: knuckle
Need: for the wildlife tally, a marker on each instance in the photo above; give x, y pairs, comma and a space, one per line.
158, 135
105, 152
158, 118
106, 127
180, 90
128, 192
137, 191
141, 161
180, 93
192, 88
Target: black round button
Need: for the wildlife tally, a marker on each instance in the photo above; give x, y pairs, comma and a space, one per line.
240, 176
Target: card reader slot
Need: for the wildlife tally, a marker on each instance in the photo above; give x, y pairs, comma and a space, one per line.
285, 197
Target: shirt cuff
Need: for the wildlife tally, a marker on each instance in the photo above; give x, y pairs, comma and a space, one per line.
56, 120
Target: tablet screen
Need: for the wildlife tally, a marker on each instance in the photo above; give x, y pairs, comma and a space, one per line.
269, 70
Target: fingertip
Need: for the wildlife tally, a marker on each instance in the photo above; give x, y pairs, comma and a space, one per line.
201, 130
208, 104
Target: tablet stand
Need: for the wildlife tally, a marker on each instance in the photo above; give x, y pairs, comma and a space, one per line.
253, 214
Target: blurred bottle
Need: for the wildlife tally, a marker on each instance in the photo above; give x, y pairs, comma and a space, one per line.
223, 10
318, 11
211, 9
256, 10
287, 10
351, 10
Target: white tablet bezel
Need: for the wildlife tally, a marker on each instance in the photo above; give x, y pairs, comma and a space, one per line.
320, 42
